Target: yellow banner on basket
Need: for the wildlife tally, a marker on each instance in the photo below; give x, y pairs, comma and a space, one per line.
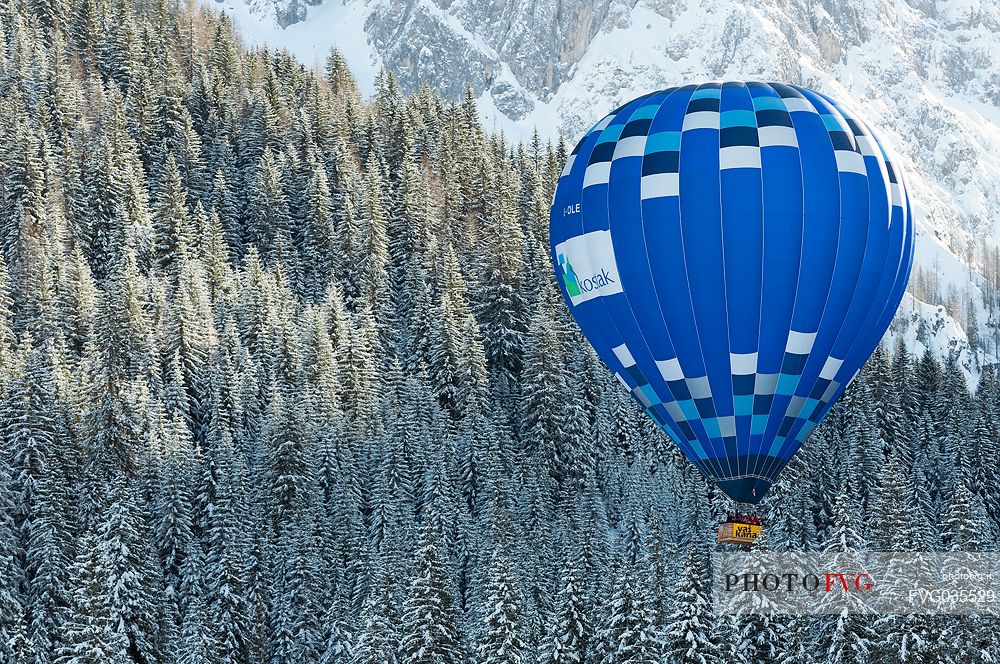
739, 532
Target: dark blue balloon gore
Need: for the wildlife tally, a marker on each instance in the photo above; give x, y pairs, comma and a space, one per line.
734, 252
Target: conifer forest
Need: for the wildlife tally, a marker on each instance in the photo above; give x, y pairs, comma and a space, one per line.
285, 378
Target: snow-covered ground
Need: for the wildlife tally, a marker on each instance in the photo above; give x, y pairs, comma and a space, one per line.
338, 23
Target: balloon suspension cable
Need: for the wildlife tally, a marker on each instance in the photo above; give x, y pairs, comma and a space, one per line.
745, 513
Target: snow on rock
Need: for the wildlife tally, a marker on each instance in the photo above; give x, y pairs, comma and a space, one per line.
929, 327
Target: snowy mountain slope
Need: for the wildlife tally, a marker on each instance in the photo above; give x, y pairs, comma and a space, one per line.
926, 74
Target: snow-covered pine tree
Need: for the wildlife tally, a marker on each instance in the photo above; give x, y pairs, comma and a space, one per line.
40, 500
377, 640
569, 629
845, 535
174, 234
966, 525
373, 265
502, 313
895, 524
847, 637
553, 423
691, 636
12, 584
173, 530
502, 637
196, 643
91, 632
227, 537
127, 559
316, 241
429, 630
268, 223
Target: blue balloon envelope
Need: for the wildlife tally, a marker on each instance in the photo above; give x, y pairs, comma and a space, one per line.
734, 252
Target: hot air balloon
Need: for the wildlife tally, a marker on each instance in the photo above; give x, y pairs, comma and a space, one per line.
734, 253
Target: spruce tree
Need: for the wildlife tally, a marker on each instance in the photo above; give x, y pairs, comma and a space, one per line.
127, 560
847, 637
501, 310
197, 645
967, 527
552, 422
40, 502
227, 536
691, 634
502, 637
91, 635
378, 638
429, 630
11, 608
171, 223
569, 630
844, 535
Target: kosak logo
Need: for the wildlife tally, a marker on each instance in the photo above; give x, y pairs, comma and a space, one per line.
587, 266
575, 286
569, 276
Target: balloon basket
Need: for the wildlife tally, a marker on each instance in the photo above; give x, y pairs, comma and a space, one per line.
740, 529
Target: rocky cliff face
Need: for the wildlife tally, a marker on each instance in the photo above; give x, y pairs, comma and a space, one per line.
926, 74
